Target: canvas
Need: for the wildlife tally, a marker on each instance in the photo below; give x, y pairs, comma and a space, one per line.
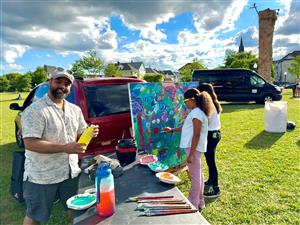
153, 107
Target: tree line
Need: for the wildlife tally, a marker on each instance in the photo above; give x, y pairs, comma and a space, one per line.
92, 64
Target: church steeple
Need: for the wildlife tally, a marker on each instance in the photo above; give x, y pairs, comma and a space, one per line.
241, 47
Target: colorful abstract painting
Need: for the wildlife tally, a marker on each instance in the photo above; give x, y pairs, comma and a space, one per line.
153, 107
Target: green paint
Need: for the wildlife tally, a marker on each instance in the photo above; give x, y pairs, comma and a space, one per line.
83, 200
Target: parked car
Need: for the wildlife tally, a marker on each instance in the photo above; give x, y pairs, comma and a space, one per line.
103, 101
239, 85
286, 85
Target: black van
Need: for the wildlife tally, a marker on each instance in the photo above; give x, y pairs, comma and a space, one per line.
238, 85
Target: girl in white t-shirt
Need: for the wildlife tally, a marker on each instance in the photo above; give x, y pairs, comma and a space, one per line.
211, 187
194, 140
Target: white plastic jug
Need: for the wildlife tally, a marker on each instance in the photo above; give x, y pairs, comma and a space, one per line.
275, 116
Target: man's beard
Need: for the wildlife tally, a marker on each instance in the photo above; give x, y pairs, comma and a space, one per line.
59, 95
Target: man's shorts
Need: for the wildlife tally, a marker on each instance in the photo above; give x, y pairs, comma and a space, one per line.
39, 198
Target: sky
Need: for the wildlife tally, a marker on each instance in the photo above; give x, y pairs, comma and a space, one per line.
163, 34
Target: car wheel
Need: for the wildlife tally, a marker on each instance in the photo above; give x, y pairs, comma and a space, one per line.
19, 138
268, 98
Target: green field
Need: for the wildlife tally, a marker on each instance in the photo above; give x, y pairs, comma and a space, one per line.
258, 171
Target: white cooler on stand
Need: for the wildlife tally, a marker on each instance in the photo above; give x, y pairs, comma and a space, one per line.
275, 116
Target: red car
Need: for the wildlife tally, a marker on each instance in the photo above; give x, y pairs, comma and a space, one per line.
103, 101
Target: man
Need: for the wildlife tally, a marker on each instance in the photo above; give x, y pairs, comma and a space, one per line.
51, 127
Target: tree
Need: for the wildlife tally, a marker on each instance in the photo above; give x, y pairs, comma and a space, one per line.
294, 69
90, 63
38, 76
112, 70
244, 60
186, 71
13, 79
77, 69
18, 82
153, 77
4, 84
24, 83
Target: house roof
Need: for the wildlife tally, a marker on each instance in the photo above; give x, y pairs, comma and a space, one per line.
129, 66
184, 66
150, 70
293, 54
136, 65
168, 72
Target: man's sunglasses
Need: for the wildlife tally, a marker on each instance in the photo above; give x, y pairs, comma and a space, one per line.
60, 69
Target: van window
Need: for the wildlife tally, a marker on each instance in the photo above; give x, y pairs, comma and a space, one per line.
229, 79
40, 92
234, 81
206, 77
43, 90
107, 100
256, 81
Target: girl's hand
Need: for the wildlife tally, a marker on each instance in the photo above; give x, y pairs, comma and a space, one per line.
167, 129
190, 158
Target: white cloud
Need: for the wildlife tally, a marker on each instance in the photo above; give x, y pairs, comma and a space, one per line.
220, 19
153, 34
14, 66
11, 52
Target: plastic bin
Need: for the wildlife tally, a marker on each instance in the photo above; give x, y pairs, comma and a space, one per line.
275, 116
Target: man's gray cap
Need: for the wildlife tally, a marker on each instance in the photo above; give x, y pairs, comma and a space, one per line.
64, 74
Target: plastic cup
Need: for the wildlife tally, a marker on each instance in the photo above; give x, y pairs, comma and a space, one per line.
86, 136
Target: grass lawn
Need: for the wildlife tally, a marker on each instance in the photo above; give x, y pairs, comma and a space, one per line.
258, 171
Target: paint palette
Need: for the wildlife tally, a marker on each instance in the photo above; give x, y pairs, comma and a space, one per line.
147, 159
81, 201
168, 178
158, 167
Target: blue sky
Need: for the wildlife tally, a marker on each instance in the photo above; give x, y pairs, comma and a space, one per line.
163, 34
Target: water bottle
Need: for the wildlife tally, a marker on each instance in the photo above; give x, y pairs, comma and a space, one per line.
105, 191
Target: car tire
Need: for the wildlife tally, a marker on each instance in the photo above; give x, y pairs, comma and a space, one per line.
267, 97
19, 138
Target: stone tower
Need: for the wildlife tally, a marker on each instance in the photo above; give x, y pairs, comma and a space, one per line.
241, 47
267, 20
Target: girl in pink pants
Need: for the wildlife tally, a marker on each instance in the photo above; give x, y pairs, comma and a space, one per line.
196, 196
194, 139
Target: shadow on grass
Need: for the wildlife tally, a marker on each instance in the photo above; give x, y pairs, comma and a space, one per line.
298, 143
263, 140
11, 100
233, 106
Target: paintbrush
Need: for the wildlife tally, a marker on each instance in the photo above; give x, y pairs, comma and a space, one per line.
145, 206
151, 212
138, 198
162, 201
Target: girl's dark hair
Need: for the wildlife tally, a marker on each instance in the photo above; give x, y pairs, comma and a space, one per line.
203, 100
210, 90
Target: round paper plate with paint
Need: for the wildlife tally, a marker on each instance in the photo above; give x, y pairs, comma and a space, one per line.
158, 167
147, 159
168, 178
81, 201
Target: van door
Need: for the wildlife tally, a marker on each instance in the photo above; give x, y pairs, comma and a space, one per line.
257, 87
235, 86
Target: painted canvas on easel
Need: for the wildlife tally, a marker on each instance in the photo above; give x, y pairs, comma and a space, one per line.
153, 107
